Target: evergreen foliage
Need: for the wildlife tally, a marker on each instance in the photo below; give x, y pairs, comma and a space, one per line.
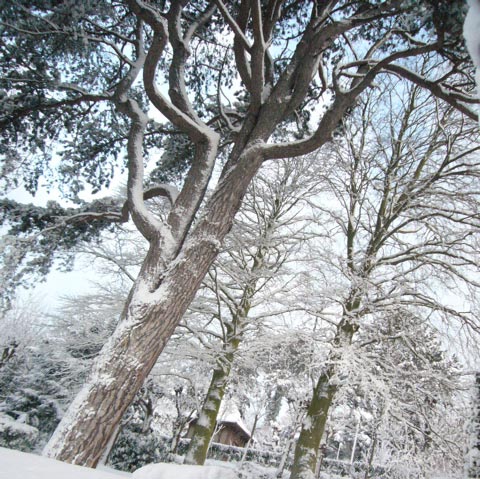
235, 84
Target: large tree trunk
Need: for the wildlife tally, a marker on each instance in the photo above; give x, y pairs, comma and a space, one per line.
313, 427
150, 317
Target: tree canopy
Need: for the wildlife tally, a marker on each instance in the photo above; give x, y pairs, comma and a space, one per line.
187, 100
65, 66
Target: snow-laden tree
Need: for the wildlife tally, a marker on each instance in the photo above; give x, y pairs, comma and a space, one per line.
245, 286
397, 404
404, 207
33, 380
239, 301
234, 85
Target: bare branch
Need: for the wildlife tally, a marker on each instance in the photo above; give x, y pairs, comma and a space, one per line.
437, 89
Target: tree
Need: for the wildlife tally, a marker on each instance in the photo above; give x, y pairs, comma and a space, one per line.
250, 273
403, 388
405, 205
33, 384
473, 466
79, 81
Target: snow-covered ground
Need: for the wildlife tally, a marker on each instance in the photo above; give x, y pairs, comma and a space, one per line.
174, 471
20, 465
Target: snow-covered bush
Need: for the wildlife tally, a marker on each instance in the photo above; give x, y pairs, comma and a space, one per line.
473, 455
15, 434
30, 386
133, 450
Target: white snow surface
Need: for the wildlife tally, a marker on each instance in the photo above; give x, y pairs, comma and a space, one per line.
175, 471
20, 465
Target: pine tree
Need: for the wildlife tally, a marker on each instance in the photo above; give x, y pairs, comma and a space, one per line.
77, 82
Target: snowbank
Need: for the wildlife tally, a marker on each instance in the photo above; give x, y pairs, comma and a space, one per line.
174, 471
20, 465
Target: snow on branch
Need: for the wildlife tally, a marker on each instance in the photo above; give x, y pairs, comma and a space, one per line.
471, 32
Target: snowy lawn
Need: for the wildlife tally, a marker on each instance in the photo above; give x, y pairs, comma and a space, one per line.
20, 465
174, 471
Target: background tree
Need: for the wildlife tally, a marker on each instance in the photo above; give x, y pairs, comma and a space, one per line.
405, 206
473, 463
35, 381
251, 274
400, 383
70, 75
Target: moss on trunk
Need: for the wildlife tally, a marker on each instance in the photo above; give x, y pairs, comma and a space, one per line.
313, 428
205, 426
305, 458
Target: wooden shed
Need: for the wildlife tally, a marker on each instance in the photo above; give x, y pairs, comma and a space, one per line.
229, 433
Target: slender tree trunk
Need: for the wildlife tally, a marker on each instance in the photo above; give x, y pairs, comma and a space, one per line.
207, 420
370, 456
249, 442
204, 429
156, 304
288, 446
313, 427
474, 452
305, 457
354, 448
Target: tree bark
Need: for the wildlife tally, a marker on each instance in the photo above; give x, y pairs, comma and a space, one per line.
313, 427
149, 319
306, 449
207, 420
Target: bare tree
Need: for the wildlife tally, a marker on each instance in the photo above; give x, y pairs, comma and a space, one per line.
251, 274
404, 205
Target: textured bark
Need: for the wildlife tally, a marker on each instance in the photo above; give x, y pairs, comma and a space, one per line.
305, 458
150, 318
207, 421
205, 427
308, 443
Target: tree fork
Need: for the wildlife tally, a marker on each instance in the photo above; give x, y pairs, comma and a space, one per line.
149, 320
